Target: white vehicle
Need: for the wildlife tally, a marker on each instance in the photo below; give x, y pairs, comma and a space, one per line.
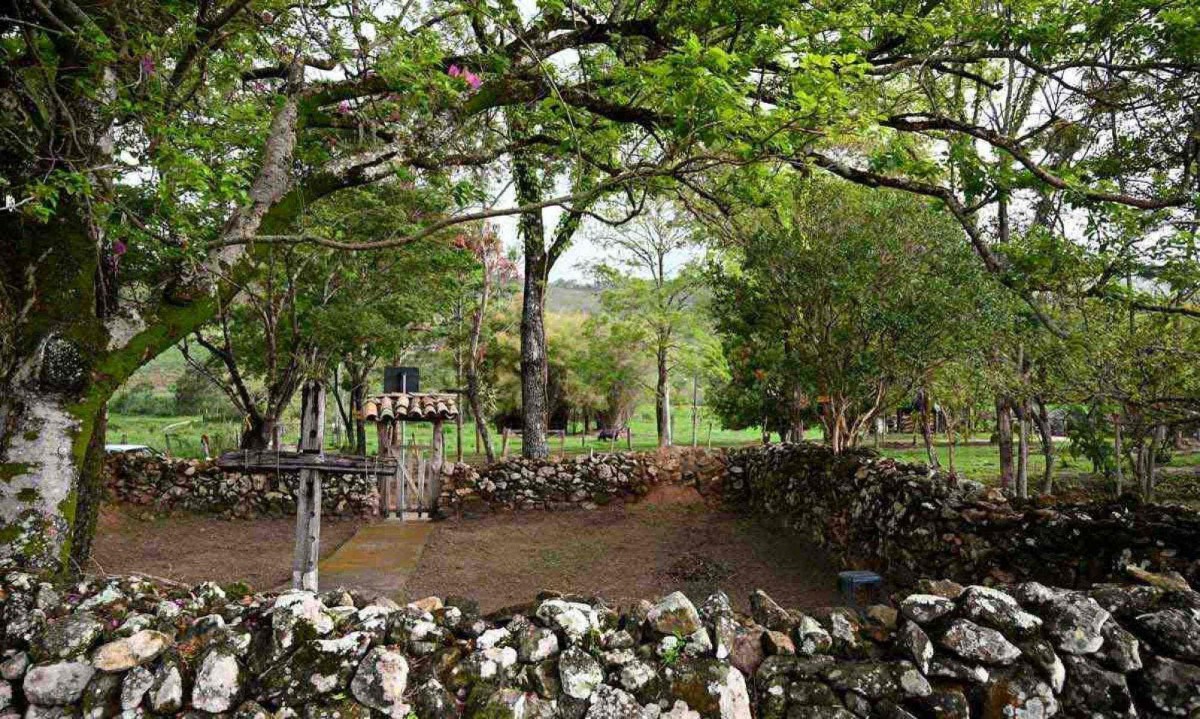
140, 449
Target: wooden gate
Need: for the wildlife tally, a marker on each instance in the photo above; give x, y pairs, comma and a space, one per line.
412, 488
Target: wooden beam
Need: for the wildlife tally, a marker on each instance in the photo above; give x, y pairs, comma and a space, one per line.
271, 461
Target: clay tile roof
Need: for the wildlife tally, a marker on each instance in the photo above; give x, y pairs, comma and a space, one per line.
411, 407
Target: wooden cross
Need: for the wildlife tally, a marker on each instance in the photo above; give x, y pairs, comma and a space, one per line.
308, 491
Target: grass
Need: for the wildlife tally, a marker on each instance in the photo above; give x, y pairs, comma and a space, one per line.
977, 459
185, 433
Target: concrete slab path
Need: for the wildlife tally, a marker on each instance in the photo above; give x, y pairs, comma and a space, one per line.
379, 558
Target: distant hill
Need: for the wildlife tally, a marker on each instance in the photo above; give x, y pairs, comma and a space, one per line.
571, 297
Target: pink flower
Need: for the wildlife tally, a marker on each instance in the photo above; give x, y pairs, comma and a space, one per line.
454, 71
118, 248
147, 64
472, 79
343, 107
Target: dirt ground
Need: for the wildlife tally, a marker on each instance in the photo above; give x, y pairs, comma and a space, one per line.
670, 541
194, 548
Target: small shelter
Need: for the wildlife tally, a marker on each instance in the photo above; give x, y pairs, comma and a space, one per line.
416, 485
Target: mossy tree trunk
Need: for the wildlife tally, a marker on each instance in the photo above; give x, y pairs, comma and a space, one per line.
67, 346
534, 365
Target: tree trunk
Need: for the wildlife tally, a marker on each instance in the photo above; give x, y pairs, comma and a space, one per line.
533, 327
1041, 417
927, 429
481, 426
1150, 462
1023, 451
796, 412
50, 399
346, 417
1120, 457
357, 400
68, 348
1004, 440
662, 400
91, 495
259, 433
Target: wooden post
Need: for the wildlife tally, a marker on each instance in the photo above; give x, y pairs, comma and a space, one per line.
308, 491
629, 438
504, 443
435, 463
458, 431
695, 408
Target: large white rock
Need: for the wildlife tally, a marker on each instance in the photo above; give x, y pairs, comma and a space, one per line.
57, 684
674, 615
574, 619
579, 672
981, 644
217, 683
294, 612
381, 680
125, 654
166, 694
134, 687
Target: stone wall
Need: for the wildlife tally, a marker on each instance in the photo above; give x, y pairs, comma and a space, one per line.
198, 486
877, 513
132, 647
577, 481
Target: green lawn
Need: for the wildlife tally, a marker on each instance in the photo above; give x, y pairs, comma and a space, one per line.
185, 433
977, 460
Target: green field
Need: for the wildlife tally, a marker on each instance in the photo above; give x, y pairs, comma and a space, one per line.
976, 460
185, 433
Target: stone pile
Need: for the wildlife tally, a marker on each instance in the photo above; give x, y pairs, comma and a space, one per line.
136, 648
579, 481
192, 485
872, 512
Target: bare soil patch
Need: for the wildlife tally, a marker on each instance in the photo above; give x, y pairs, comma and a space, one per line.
194, 548
669, 541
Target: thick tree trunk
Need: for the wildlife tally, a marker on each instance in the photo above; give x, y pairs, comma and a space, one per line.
534, 366
68, 349
91, 495
1004, 440
50, 396
45, 443
259, 433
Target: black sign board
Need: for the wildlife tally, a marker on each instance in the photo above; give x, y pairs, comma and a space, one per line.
401, 379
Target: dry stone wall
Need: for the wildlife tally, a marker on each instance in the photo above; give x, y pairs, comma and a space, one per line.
190, 485
134, 648
876, 513
579, 481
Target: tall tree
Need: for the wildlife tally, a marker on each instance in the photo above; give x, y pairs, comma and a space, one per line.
657, 294
849, 296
